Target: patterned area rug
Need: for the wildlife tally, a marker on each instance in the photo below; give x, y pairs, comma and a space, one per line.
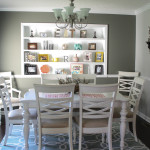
60, 142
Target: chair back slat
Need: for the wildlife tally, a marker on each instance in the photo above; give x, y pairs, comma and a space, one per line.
125, 81
5, 97
136, 92
54, 101
100, 103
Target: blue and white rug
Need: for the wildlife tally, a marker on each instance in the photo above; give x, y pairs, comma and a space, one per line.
60, 142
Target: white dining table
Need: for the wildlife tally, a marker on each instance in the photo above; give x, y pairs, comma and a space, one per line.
29, 101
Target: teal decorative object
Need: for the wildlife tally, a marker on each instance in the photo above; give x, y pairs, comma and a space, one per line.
77, 46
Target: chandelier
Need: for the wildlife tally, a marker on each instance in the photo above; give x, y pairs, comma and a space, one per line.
69, 19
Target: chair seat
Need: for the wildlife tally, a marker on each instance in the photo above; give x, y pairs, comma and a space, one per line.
13, 100
92, 123
54, 123
117, 111
16, 114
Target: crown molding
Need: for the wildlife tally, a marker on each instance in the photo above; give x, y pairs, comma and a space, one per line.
142, 9
104, 11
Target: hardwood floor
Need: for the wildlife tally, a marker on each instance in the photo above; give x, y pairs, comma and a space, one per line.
143, 130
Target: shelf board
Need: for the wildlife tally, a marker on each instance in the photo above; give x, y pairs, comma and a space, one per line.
84, 62
62, 38
41, 50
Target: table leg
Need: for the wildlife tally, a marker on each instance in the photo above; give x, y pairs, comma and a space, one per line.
26, 125
123, 114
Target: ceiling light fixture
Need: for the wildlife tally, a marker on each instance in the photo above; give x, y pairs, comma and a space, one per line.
68, 19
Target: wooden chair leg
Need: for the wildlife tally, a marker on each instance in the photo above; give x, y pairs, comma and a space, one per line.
40, 140
35, 131
10, 129
70, 140
103, 137
80, 140
134, 130
74, 134
6, 133
110, 139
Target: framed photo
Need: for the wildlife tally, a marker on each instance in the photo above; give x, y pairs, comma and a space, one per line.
30, 69
87, 56
76, 68
32, 45
98, 69
99, 57
83, 33
92, 46
43, 58
30, 57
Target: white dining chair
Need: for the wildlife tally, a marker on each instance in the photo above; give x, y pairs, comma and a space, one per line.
96, 110
89, 78
13, 116
125, 80
134, 99
15, 94
54, 107
52, 78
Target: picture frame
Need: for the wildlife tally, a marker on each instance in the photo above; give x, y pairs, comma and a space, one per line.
30, 57
30, 69
87, 56
98, 69
43, 57
99, 57
83, 33
76, 68
92, 46
32, 46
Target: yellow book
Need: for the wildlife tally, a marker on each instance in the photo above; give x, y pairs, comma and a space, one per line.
99, 57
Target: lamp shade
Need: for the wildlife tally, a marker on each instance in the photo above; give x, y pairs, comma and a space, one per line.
85, 11
64, 16
57, 13
80, 15
69, 10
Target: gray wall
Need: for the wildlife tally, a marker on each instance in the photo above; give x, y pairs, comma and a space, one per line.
142, 61
121, 42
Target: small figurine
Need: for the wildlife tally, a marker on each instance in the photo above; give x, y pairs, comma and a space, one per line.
31, 33
72, 32
94, 35
65, 33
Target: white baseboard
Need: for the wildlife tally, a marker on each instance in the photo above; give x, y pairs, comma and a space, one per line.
146, 118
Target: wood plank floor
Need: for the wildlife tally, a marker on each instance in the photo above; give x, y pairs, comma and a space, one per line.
143, 130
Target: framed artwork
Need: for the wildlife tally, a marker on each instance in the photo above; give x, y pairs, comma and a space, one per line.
99, 57
98, 69
92, 46
87, 56
30, 69
32, 45
43, 58
83, 33
30, 57
76, 68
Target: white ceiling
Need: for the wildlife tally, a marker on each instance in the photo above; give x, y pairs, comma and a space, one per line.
131, 7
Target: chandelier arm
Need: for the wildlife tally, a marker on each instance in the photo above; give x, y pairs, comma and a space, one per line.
80, 26
58, 24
